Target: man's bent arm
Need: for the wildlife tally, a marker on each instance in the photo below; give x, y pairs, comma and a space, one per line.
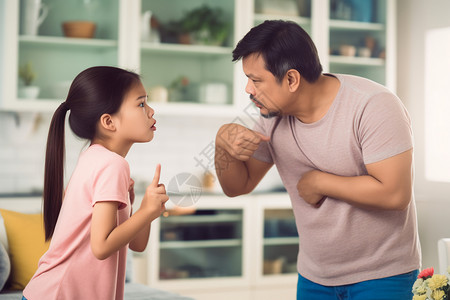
388, 185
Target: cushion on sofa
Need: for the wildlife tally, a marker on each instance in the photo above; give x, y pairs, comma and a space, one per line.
26, 242
5, 265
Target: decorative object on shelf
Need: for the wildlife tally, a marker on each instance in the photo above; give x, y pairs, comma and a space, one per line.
214, 93
158, 94
354, 10
202, 26
33, 14
79, 29
180, 90
27, 75
149, 28
430, 286
274, 266
280, 7
347, 50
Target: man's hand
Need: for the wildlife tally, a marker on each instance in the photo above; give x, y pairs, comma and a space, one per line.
239, 141
308, 188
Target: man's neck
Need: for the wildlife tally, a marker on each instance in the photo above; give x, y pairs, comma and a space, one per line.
315, 99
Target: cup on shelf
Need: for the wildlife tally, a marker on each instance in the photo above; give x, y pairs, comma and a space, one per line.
33, 14
364, 52
347, 50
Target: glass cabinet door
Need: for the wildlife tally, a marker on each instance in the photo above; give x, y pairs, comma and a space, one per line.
205, 243
186, 51
280, 242
358, 38
298, 11
53, 55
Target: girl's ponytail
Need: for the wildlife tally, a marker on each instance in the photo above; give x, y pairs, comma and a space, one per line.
54, 170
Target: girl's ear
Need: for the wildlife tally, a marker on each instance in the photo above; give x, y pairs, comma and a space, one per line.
293, 78
107, 123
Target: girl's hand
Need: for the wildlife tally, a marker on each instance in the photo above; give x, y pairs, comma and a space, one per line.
155, 196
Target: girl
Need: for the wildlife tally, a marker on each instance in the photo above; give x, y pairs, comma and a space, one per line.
91, 228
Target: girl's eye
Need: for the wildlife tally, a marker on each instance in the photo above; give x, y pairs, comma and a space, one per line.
142, 104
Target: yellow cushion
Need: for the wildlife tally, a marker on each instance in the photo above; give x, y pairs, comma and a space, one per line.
26, 240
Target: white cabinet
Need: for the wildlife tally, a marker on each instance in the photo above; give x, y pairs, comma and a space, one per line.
234, 248
215, 84
57, 59
352, 37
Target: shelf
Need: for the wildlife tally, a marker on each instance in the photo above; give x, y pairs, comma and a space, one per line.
259, 18
353, 25
201, 244
161, 48
280, 241
356, 61
220, 218
193, 109
67, 42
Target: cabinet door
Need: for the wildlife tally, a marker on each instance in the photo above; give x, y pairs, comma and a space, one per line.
54, 57
280, 243
204, 244
297, 11
186, 54
358, 33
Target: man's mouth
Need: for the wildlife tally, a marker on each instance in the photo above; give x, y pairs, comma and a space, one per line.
257, 103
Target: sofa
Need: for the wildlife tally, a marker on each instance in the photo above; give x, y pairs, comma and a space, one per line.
18, 260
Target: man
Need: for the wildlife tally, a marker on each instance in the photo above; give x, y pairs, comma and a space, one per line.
343, 148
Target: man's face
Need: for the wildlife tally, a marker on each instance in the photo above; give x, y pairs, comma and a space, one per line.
262, 86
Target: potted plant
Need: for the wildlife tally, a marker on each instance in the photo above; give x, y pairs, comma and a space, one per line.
27, 75
206, 25
203, 25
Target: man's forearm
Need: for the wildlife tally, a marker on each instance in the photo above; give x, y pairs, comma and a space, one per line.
231, 172
365, 191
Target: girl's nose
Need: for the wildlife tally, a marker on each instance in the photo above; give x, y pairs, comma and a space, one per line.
151, 112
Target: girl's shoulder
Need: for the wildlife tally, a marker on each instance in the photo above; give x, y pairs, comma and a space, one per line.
97, 155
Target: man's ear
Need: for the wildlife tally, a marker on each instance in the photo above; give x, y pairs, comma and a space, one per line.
293, 79
106, 122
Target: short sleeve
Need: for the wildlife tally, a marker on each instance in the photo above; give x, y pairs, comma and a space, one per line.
111, 183
263, 152
384, 129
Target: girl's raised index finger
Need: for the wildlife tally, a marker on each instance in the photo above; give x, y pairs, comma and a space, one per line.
157, 175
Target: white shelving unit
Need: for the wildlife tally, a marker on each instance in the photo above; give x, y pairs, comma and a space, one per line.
244, 249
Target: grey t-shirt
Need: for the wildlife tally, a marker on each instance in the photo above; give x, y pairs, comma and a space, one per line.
340, 243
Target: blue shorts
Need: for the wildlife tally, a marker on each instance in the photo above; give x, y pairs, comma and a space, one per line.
397, 287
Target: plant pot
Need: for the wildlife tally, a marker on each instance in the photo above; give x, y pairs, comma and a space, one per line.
29, 92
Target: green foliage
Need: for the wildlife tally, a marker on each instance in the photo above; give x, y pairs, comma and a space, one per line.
207, 25
27, 74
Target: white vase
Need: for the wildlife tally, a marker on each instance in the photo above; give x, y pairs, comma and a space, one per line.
29, 92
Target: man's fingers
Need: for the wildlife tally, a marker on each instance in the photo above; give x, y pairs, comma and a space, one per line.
157, 175
262, 136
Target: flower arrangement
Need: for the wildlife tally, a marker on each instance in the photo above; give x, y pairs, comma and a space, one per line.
430, 286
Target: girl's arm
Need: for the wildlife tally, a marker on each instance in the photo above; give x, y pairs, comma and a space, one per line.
107, 238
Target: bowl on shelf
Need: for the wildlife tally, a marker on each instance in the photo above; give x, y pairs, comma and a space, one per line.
79, 29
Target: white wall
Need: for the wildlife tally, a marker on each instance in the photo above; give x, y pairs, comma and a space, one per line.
415, 17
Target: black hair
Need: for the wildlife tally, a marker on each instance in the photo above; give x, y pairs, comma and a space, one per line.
94, 92
284, 45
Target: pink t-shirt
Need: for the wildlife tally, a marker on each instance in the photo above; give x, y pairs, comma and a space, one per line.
340, 243
69, 270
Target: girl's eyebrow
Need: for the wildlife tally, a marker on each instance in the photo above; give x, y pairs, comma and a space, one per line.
140, 97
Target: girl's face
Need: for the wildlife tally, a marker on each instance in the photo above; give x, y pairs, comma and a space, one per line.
134, 119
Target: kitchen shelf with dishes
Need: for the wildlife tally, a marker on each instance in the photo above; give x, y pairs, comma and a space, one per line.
354, 37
